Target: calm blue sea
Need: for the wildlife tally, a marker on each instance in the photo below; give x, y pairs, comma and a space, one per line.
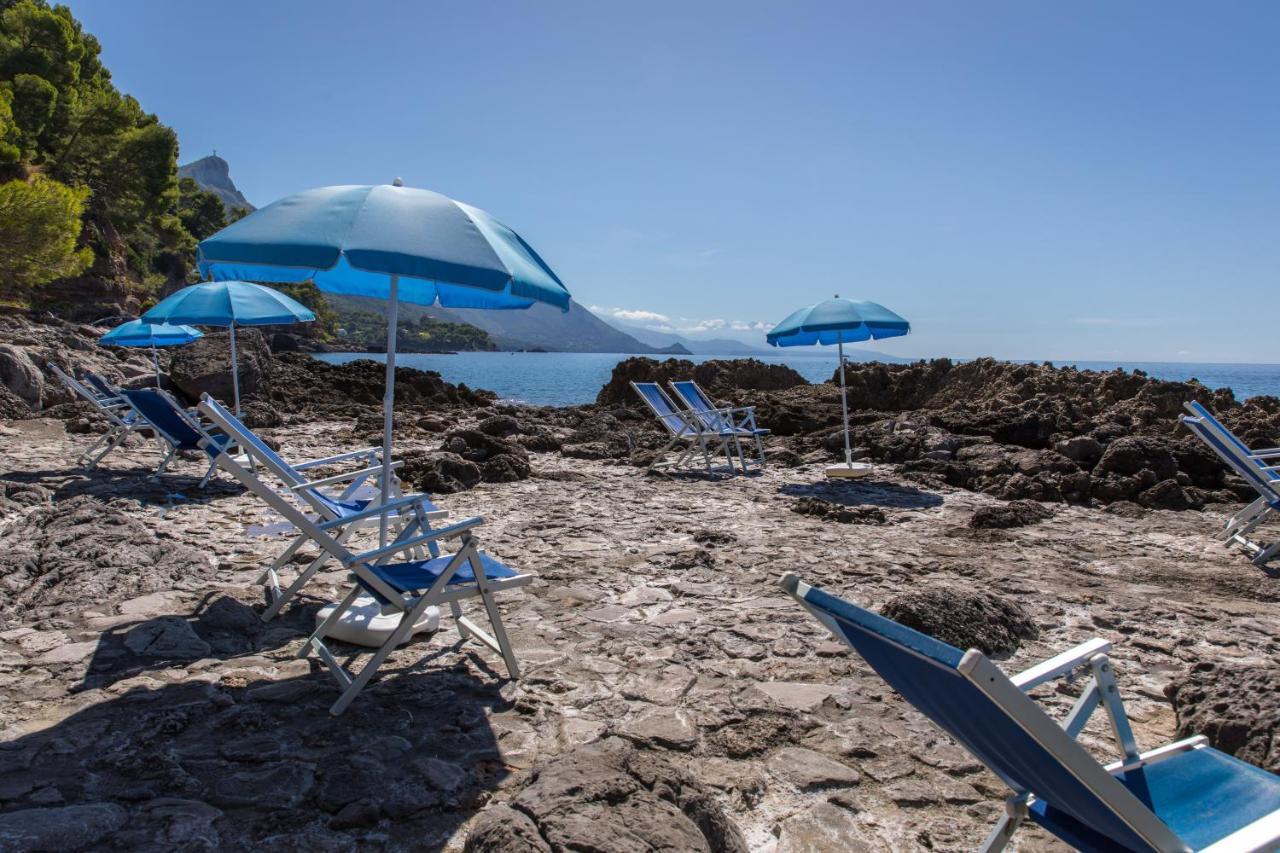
570, 378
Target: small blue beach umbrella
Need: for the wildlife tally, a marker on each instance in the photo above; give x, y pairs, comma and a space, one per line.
229, 304
140, 333
838, 321
390, 242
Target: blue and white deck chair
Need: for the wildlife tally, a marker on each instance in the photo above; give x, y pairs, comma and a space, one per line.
345, 507
1181, 797
179, 429
684, 430
121, 418
1254, 467
732, 423
408, 587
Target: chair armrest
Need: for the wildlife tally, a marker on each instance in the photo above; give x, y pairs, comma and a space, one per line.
342, 478
1265, 453
340, 457
1059, 665
384, 509
453, 531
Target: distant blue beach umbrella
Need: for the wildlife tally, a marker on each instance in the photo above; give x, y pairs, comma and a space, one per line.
229, 304
838, 321
390, 242
140, 333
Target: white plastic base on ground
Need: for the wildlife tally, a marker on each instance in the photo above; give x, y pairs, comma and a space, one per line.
364, 623
849, 472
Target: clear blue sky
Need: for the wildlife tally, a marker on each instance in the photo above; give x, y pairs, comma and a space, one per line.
1025, 180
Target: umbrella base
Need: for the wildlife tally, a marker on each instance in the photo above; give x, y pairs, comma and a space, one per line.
364, 623
848, 472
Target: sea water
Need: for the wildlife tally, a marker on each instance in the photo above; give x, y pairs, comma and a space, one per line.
573, 378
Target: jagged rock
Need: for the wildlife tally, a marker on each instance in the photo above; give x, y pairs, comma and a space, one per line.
12, 407
16, 496
82, 550
500, 426
439, 472
837, 512
1133, 454
964, 619
20, 375
1012, 514
58, 829
204, 366
715, 377
1236, 706
1082, 449
1167, 494
169, 637
609, 796
499, 460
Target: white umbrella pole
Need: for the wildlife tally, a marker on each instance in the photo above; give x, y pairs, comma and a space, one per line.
844, 401
235, 370
389, 401
156, 360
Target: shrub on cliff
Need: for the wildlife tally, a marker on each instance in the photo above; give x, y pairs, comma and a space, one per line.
39, 227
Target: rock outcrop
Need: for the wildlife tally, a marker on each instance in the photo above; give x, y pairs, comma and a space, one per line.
1236, 706
963, 618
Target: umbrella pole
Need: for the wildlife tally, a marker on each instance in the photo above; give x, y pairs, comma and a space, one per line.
156, 360
844, 401
389, 401
235, 370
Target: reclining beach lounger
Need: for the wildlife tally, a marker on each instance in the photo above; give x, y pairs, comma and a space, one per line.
683, 428
178, 428
341, 507
408, 587
736, 423
122, 420
1180, 797
1254, 467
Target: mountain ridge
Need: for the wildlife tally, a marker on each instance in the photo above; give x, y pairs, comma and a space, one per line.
213, 174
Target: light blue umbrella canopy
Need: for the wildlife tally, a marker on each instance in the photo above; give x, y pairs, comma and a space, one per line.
140, 333
354, 239
836, 321
390, 242
230, 304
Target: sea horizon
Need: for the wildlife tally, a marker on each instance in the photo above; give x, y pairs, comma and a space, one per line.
570, 379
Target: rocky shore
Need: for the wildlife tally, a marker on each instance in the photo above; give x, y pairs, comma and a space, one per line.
672, 697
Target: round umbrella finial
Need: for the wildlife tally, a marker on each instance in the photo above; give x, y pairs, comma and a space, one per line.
398, 182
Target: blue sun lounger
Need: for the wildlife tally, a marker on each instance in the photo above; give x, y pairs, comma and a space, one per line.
683, 429
731, 423
121, 418
1254, 467
1181, 797
407, 587
177, 427
345, 508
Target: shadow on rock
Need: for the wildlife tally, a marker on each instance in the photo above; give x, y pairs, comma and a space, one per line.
220, 628
250, 762
135, 483
865, 493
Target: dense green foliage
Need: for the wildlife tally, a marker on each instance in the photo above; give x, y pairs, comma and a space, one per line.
62, 117
367, 332
39, 226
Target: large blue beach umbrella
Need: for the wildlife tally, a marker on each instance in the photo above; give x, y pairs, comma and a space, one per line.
838, 321
140, 333
229, 304
390, 242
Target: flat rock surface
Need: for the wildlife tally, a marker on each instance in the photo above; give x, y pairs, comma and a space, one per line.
143, 705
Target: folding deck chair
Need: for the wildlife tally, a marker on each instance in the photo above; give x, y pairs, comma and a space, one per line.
178, 428
1180, 797
1253, 466
736, 423
342, 507
408, 587
122, 420
683, 428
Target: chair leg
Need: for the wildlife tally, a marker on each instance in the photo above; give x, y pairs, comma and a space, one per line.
1264, 556
1002, 833
760, 450
495, 618
208, 475
117, 437
318, 635
398, 636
